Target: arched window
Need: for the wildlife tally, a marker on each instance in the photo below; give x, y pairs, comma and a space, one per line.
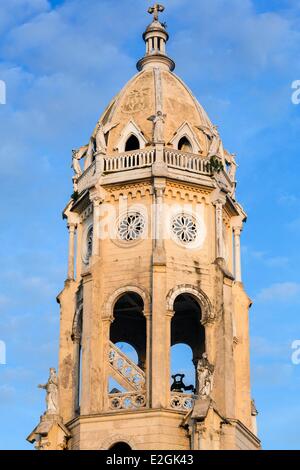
120, 448
185, 145
187, 329
129, 325
132, 144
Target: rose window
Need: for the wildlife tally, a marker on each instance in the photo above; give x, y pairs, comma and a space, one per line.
184, 227
131, 227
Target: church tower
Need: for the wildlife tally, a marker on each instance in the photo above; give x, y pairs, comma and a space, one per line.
154, 262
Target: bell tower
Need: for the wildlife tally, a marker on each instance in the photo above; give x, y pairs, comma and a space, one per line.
154, 262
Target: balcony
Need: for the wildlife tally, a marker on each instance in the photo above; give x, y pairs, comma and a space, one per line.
139, 163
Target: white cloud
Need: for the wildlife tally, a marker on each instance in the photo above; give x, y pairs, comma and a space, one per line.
7, 394
288, 200
277, 261
234, 39
266, 258
16, 11
284, 291
272, 374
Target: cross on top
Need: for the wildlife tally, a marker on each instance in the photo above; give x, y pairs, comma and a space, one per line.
155, 10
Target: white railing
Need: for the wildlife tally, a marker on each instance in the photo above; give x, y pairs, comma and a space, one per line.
129, 161
126, 401
86, 179
187, 161
128, 372
141, 159
181, 401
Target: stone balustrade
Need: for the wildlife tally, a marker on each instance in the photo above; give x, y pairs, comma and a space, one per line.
181, 401
85, 181
129, 161
126, 369
186, 161
126, 401
142, 159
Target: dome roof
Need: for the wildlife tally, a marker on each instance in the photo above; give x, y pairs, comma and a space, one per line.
154, 91
139, 100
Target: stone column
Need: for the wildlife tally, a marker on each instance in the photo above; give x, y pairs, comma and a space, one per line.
87, 351
169, 315
72, 229
77, 368
148, 317
97, 201
159, 189
159, 370
219, 203
237, 253
104, 363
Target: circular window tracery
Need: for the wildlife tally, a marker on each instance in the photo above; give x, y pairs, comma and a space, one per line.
184, 227
131, 227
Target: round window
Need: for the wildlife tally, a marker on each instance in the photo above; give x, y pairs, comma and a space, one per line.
131, 226
184, 228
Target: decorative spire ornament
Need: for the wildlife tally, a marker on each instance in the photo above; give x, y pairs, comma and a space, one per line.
155, 10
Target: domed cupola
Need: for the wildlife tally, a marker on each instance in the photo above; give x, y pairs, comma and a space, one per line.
156, 38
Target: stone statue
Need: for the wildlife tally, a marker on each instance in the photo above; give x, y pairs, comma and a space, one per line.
51, 388
205, 372
101, 131
216, 146
77, 155
232, 166
158, 126
101, 145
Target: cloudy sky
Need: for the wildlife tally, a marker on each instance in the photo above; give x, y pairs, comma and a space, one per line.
62, 62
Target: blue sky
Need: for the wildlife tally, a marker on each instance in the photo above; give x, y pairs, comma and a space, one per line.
62, 62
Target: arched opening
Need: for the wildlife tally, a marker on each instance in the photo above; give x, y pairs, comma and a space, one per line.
132, 144
186, 329
185, 145
182, 363
120, 448
129, 326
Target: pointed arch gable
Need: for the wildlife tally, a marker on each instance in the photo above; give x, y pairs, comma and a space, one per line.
204, 302
185, 130
131, 129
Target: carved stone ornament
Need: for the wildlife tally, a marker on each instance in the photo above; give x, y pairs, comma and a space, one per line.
205, 372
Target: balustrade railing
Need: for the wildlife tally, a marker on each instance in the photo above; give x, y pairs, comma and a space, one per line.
142, 159
186, 161
126, 401
125, 369
86, 178
181, 401
129, 161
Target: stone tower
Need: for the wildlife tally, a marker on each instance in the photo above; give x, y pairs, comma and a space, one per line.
154, 261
